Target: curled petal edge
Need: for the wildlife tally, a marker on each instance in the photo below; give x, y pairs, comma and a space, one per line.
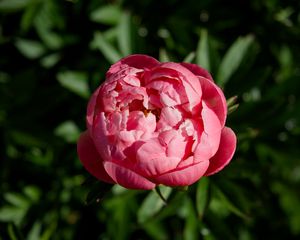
225, 152
183, 177
127, 178
91, 159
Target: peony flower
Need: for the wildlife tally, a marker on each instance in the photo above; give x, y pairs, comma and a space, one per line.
154, 123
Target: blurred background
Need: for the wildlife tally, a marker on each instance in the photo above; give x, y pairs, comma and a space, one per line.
54, 53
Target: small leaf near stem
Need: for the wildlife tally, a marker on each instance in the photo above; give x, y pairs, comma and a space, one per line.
232, 105
232, 108
157, 190
231, 101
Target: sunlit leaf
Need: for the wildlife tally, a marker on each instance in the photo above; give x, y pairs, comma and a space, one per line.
108, 50
76, 82
233, 58
12, 214
190, 57
30, 49
16, 199
124, 34
202, 196
50, 60
163, 55
152, 204
109, 14
68, 131
35, 231
202, 52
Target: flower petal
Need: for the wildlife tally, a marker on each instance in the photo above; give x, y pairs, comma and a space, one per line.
183, 177
197, 70
210, 135
91, 109
224, 153
190, 82
126, 177
214, 98
90, 158
139, 61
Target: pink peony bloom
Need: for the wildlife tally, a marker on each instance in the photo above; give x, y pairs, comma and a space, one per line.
156, 123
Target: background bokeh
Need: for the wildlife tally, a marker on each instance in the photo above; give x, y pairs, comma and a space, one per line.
54, 53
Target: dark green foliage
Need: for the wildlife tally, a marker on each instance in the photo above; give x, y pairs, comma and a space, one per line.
54, 53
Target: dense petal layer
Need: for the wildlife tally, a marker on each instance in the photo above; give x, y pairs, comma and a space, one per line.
91, 109
183, 177
190, 82
136, 61
90, 158
214, 98
224, 153
198, 71
126, 177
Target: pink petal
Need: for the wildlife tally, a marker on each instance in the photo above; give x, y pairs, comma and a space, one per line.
169, 117
224, 153
211, 122
150, 150
91, 109
190, 82
177, 147
150, 167
214, 98
197, 70
151, 159
100, 137
209, 135
126, 177
90, 158
183, 177
136, 61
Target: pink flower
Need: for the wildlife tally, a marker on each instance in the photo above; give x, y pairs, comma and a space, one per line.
156, 123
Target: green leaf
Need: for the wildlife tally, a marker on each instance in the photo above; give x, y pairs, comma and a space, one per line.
12, 214
30, 49
202, 196
68, 130
50, 60
108, 50
228, 204
13, 5
76, 82
163, 55
124, 34
35, 232
109, 14
153, 204
13, 232
190, 57
233, 58
16, 199
156, 230
32, 193
202, 52
191, 222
